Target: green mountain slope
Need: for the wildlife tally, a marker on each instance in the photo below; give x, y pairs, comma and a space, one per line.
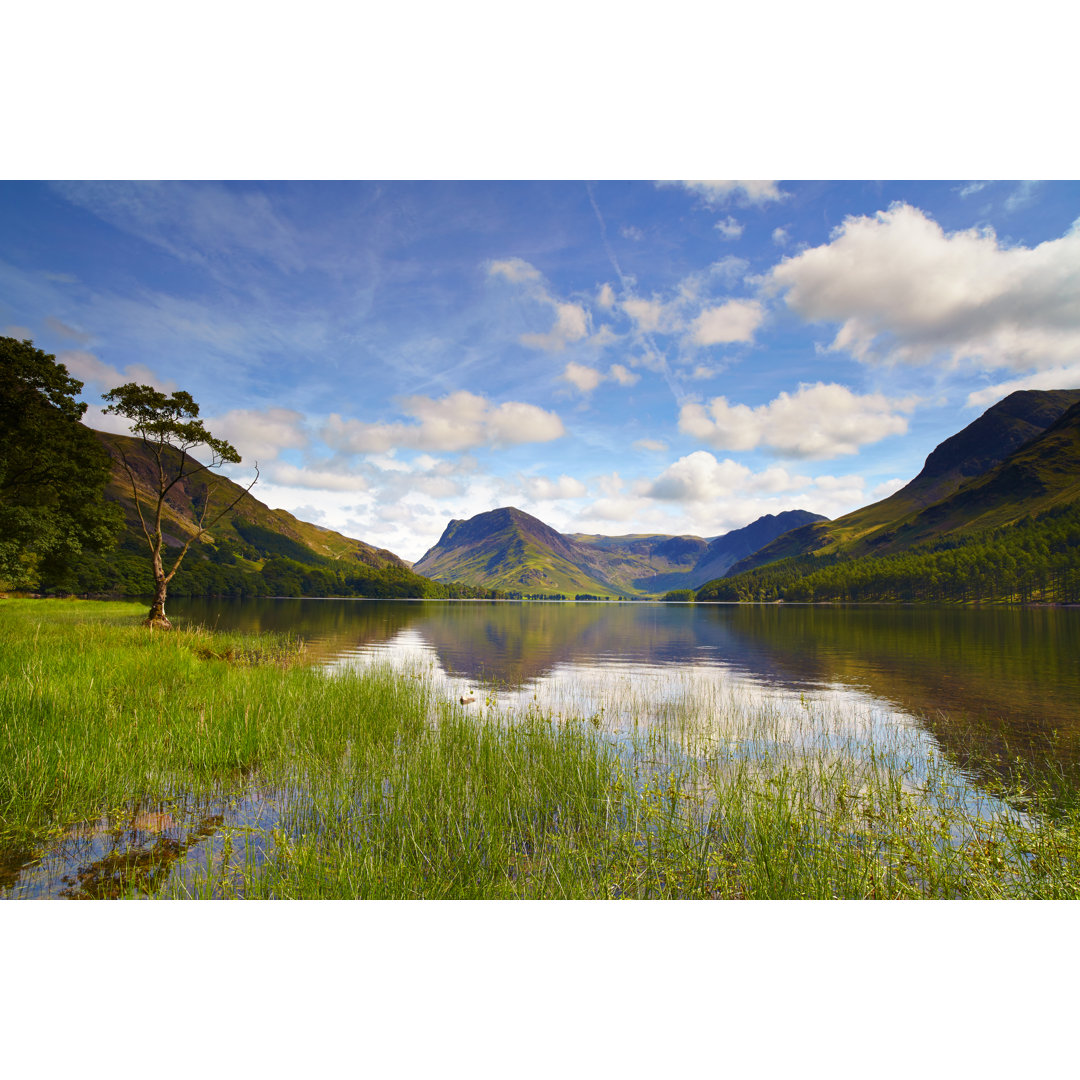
510, 550
1010, 533
249, 524
251, 551
972, 453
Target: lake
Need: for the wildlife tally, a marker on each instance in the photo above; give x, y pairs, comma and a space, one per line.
984, 686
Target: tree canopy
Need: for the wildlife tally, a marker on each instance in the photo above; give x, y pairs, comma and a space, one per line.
170, 429
53, 471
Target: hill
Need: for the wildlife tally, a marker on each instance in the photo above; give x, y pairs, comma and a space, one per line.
512, 551
253, 550
960, 460
1009, 532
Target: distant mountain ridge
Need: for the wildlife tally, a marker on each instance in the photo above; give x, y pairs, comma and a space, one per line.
510, 550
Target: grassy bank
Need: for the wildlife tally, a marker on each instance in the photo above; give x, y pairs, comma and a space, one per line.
199, 764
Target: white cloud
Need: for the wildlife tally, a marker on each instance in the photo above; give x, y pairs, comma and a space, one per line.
516, 270
780, 236
586, 379
605, 298
733, 321
650, 444
20, 333
459, 421
718, 192
571, 324
698, 477
260, 433
86, 366
571, 320
647, 314
972, 187
566, 487
1060, 378
631, 232
319, 479
904, 290
729, 228
822, 420
1025, 193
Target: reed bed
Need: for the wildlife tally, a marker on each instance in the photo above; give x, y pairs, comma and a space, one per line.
198, 764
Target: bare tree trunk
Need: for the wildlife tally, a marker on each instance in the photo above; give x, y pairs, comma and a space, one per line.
156, 618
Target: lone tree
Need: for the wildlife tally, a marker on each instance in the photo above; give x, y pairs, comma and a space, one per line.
53, 471
169, 430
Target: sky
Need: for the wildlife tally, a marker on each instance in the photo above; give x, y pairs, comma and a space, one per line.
612, 357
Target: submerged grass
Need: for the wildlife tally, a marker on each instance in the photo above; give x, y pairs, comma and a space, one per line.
208, 764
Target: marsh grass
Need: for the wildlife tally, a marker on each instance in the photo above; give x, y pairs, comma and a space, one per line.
192, 764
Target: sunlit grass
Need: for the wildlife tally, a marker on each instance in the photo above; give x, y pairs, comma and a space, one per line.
199, 764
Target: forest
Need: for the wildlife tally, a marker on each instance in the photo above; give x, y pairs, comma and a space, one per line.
1036, 560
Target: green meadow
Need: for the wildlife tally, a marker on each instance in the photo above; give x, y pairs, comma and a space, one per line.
200, 764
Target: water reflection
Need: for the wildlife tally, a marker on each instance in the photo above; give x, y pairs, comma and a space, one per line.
989, 685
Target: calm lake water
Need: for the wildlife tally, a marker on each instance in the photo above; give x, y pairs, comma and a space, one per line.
982, 684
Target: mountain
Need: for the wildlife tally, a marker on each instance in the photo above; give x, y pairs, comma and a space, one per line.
251, 551
963, 460
510, 550
250, 523
1009, 533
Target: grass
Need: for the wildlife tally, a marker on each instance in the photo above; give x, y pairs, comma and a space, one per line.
207, 764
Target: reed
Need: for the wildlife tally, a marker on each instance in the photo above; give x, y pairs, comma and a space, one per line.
198, 764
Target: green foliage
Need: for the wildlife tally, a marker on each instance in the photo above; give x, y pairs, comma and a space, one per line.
53, 472
167, 420
169, 429
679, 595
267, 542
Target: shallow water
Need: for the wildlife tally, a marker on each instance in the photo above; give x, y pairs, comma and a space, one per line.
981, 681
984, 689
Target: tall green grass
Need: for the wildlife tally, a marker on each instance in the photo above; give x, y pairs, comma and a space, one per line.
199, 764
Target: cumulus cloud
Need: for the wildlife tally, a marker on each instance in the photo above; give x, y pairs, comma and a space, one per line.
571, 324
733, 321
565, 487
1059, 378
648, 315
717, 193
459, 421
288, 475
261, 433
729, 228
587, 379
780, 236
822, 420
86, 366
605, 298
571, 320
906, 291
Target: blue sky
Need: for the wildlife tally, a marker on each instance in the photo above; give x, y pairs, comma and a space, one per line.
613, 357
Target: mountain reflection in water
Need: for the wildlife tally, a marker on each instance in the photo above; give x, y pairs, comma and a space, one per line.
987, 684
